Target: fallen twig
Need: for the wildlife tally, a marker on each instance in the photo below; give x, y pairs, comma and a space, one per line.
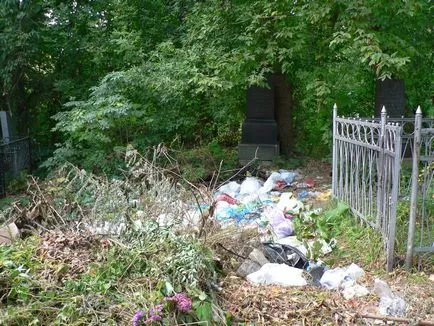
230, 251
46, 201
398, 319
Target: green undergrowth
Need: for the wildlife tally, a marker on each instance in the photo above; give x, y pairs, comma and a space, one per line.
355, 242
201, 163
117, 282
358, 243
70, 275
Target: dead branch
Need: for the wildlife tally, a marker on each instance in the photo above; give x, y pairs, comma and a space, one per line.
398, 319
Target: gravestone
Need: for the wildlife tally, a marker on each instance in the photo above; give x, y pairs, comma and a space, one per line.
259, 133
391, 94
7, 127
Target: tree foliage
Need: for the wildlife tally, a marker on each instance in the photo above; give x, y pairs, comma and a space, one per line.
115, 72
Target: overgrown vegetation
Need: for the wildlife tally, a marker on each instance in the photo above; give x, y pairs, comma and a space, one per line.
111, 251
121, 72
145, 250
91, 80
353, 241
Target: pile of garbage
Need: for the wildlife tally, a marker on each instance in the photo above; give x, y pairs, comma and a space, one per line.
281, 258
266, 205
271, 207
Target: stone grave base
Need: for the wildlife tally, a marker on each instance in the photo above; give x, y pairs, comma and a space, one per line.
264, 152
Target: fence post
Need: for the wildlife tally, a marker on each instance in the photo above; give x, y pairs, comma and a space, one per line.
394, 201
414, 186
334, 153
380, 170
2, 176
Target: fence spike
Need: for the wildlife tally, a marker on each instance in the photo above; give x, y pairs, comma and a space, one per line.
335, 107
383, 110
419, 110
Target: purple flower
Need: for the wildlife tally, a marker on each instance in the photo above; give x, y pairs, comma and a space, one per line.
152, 318
183, 302
156, 310
136, 319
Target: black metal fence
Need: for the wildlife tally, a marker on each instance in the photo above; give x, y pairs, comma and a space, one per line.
15, 157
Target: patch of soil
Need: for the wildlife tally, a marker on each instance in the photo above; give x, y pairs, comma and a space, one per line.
276, 305
69, 251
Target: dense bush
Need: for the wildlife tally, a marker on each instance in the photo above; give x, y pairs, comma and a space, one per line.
114, 72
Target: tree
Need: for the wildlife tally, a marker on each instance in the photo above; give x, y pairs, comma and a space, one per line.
152, 71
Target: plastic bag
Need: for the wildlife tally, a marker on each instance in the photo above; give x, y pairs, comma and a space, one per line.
232, 188
278, 274
288, 204
390, 304
281, 226
334, 278
225, 197
271, 182
354, 290
287, 176
284, 254
250, 186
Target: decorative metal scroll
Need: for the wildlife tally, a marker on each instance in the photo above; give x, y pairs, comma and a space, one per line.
366, 168
408, 129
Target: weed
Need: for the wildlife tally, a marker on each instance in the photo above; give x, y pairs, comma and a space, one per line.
357, 242
40, 281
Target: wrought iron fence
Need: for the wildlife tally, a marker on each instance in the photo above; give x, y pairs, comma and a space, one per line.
408, 131
14, 158
421, 220
367, 161
366, 167
426, 207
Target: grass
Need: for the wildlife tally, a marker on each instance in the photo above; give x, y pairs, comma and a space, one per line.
69, 276
356, 242
37, 290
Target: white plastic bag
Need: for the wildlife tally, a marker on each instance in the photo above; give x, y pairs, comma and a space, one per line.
278, 274
289, 205
250, 186
390, 304
232, 188
334, 278
271, 182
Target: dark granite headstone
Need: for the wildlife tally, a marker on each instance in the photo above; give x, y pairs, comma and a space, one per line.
391, 94
260, 133
260, 103
8, 130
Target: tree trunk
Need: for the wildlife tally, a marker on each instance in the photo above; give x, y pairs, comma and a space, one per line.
22, 110
283, 110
